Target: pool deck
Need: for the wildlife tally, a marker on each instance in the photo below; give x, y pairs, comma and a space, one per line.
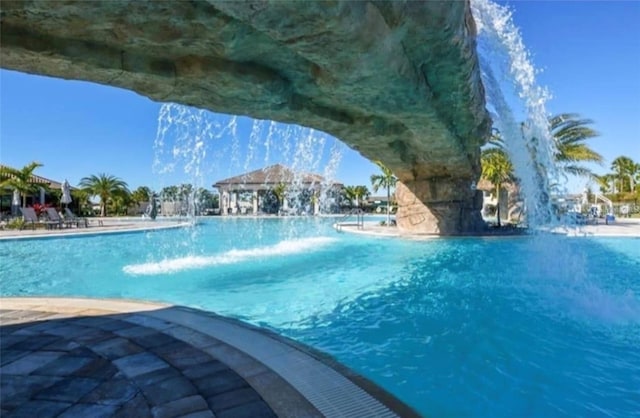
96, 226
72, 357
623, 227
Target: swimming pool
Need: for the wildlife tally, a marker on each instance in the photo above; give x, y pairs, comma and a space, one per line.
519, 326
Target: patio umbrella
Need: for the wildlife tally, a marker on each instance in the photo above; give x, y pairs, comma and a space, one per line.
66, 193
15, 202
16, 198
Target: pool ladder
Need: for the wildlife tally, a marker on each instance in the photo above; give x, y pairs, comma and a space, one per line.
359, 215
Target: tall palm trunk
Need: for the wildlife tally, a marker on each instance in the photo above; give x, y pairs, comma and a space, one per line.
388, 205
498, 204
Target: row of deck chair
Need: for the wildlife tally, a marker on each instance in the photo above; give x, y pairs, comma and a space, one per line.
54, 219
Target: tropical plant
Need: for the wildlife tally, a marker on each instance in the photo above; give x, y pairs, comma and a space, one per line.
81, 199
624, 171
140, 195
105, 186
570, 133
280, 192
605, 182
497, 169
185, 191
205, 199
21, 180
355, 193
169, 193
119, 202
385, 180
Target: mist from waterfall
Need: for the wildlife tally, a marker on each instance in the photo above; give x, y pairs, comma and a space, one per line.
517, 105
201, 147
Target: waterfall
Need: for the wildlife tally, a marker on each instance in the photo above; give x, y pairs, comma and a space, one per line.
199, 147
517, 106
184, 139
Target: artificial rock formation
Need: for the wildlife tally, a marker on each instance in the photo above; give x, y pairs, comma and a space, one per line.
396, 80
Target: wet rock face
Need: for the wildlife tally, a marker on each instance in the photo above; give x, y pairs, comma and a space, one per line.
397, 81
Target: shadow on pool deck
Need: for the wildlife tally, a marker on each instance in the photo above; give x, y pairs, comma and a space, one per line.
81, 357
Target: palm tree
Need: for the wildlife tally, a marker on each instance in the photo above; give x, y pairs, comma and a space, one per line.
81, 199
605, 182
355, 193
280, 192
204, 198
570, 133
386, 180
169, 193
361, 193
141, 194
104, 186
349, 194
20, 180
120, 201
624, 169
497, 169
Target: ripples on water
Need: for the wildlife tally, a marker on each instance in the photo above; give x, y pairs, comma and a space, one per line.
542, 326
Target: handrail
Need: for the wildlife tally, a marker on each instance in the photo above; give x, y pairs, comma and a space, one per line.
359, 219
605, 200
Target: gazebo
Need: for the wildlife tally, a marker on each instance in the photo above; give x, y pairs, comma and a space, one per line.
273, 189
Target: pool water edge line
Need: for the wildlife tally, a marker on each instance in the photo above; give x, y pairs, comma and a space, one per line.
94, 233
374, 390
364, 391
569, 233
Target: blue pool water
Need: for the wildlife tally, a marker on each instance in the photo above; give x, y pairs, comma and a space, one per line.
501, 327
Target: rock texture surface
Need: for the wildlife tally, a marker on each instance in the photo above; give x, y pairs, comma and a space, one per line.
396, 80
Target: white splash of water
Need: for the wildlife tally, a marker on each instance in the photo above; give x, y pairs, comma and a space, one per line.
190, 262
509, 79
560, 273
184, 141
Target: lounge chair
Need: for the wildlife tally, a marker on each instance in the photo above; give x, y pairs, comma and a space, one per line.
54, 217
30, 217
73, 217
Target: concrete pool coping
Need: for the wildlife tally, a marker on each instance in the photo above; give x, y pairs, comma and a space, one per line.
623, 227
107, 226
293, 380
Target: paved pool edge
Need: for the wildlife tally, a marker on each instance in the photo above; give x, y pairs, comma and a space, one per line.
302, 382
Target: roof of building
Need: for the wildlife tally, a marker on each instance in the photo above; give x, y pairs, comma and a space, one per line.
38, 179
273, 175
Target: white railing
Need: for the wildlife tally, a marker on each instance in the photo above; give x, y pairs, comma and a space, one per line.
359, 215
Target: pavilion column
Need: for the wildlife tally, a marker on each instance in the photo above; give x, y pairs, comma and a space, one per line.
41, 196
316, 202
234, 202
224, 206
254, 199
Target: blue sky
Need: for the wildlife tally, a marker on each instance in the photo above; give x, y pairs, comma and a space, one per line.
588, 53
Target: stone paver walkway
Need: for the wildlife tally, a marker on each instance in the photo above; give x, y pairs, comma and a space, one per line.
108, 367
64, 357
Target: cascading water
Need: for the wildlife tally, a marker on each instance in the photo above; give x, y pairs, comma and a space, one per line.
562, 281
208, 146
517, 105
184, 138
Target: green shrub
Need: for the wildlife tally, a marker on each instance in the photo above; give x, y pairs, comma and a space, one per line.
17, 223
